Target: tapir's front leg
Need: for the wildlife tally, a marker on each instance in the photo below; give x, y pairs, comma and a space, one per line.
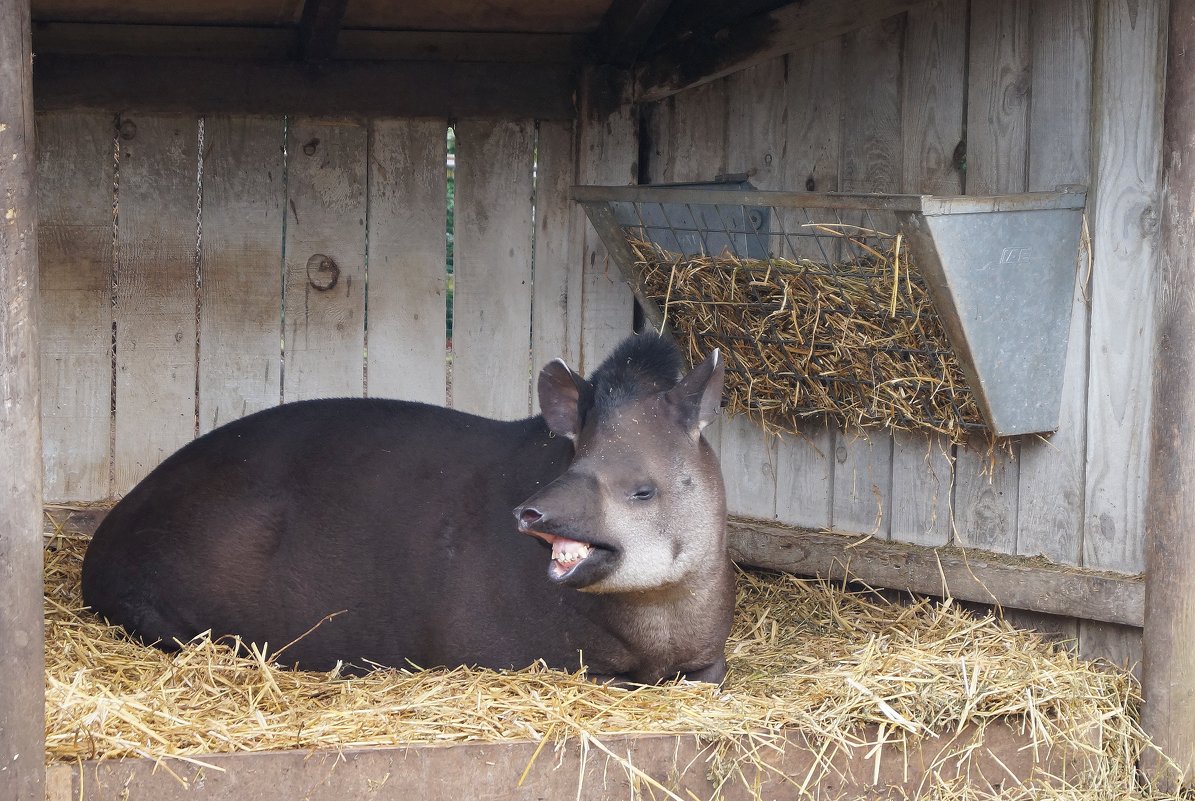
713, 673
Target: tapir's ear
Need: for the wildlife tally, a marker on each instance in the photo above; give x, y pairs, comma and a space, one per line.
698, 396
564, 398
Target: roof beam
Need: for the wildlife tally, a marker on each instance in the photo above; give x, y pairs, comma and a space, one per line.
279, 44
707, 56
337, 88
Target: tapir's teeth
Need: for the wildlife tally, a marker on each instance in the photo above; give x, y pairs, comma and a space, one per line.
569, 551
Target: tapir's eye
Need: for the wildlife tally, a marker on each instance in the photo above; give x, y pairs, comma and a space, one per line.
644, 493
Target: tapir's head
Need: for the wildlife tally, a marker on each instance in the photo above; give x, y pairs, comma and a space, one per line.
642, 506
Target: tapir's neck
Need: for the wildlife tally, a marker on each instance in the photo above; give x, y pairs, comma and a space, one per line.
672, 630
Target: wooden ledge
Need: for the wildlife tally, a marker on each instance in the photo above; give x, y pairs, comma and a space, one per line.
1013, 582
492, 770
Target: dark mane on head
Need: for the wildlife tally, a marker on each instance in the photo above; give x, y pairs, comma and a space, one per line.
641, 365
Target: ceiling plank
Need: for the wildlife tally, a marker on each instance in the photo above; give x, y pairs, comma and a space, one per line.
176, 41
318, 28
707, 56
399, 88
542, 48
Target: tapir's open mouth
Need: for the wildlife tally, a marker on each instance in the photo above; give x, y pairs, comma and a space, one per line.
570, 558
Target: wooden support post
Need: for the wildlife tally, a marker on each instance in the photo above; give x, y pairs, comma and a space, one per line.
1169, 645
22, 672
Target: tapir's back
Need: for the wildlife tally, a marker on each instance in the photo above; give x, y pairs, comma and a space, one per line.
384, 514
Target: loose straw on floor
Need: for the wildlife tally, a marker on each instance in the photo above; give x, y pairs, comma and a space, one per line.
804, 656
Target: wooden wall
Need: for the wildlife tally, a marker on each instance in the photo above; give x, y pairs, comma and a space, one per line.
972, 97
197, 269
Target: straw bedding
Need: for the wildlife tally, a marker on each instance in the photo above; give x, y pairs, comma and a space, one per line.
803, 655
858, 342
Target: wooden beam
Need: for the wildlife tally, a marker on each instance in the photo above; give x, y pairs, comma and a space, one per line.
707, 56
625, 29
1169, 638
1013, 582
318, 28
400, 89
170, 41
872, 768
22, 669
536, 48
278, 44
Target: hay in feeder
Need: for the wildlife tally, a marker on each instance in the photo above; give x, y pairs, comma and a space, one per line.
803, 656
858, 342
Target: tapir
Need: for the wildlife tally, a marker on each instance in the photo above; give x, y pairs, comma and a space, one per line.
366, 532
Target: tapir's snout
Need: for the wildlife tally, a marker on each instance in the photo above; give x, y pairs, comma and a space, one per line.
577, 560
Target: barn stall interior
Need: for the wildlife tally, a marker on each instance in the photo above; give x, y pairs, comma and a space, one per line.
239, 205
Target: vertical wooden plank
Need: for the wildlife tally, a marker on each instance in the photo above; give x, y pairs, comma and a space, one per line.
406, 355
922, 480
557, 272
699, 132
755, 135
1050, 496
871, 162
871, 139
324, 307
155, 292
1050, 491
1119, 645
656, 124
933, 111
697, 152
607, 154
810, 161
244, 191
22, 702
1128, 112
491, 341
933, 96
74, 240
985, 498
1141, 318
999, 80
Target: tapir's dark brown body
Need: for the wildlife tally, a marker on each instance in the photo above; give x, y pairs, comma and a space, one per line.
398, 516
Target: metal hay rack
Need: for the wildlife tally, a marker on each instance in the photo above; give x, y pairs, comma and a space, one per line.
913, 311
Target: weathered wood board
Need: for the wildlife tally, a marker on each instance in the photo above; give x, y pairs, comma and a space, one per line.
491, 321
932, 117
407, 290
1130, 49
324, 302
156, 293
75, 186
22, 702
871, 162
607, 153
240, 267
556, 284
584, 768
